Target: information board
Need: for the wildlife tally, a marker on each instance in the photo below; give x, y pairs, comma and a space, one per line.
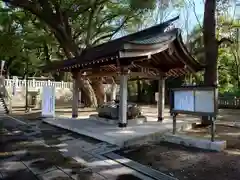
48, 101
194, 100
204, 101
184, 100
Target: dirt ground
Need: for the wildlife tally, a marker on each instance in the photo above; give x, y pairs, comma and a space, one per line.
192, 163
223, 132
188, 163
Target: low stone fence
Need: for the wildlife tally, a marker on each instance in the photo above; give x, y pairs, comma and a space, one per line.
63, 91
229, 102
37, 83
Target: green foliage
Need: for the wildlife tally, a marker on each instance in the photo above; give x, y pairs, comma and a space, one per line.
42, 31
20, 42
143, 4
228, 52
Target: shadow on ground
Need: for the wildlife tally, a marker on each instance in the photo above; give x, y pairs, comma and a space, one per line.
32, 154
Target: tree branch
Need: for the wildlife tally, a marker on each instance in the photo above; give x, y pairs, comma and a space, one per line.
46, 6
34, 8
89, 26
113, 33
108, 18
195, 13
224, 40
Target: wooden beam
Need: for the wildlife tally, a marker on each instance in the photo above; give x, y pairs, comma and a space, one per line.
102, 74
183, 61
109, 74
144, 64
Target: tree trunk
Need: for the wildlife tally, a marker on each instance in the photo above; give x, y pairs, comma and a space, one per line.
90, 96
87, 92
211, 48
238, 73
97, 85
59, 24
139, 90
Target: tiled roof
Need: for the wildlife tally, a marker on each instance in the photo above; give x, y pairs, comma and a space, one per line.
107, 54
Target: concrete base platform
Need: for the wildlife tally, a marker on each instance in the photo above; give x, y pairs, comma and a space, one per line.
195, 142
139, 120
122, 137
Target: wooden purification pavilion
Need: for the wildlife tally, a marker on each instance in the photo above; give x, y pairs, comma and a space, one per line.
154, 53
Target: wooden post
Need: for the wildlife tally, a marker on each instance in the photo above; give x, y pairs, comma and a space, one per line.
174, 123
123, 98
26, 87
161, 99
75, 97
213, 128
80, 97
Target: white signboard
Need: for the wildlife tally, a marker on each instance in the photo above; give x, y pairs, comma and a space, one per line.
156, 96
184, 100
48, 101
204, 101
15, 79
194, 100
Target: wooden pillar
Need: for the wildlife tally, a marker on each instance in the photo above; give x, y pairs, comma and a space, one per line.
75, 96
174, 123
161, 98
80, 97
213, 128
123, 98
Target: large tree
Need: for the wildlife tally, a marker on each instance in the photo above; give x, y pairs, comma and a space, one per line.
79, 24
210, 43
23, 39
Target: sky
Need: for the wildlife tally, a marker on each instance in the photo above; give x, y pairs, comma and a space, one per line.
199, 9
192, 21
193, 12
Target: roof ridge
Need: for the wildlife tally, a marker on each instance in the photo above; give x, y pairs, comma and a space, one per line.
132, 36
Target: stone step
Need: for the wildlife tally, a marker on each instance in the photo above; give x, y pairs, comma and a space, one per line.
102, 148
3, 108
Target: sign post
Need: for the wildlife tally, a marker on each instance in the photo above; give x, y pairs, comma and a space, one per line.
174, 122
48, 101
196, 101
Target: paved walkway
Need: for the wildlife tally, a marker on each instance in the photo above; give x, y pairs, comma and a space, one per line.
40, 151
122, 137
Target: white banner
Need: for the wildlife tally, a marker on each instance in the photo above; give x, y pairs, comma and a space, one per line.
156, 96
48, 101
14, 85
